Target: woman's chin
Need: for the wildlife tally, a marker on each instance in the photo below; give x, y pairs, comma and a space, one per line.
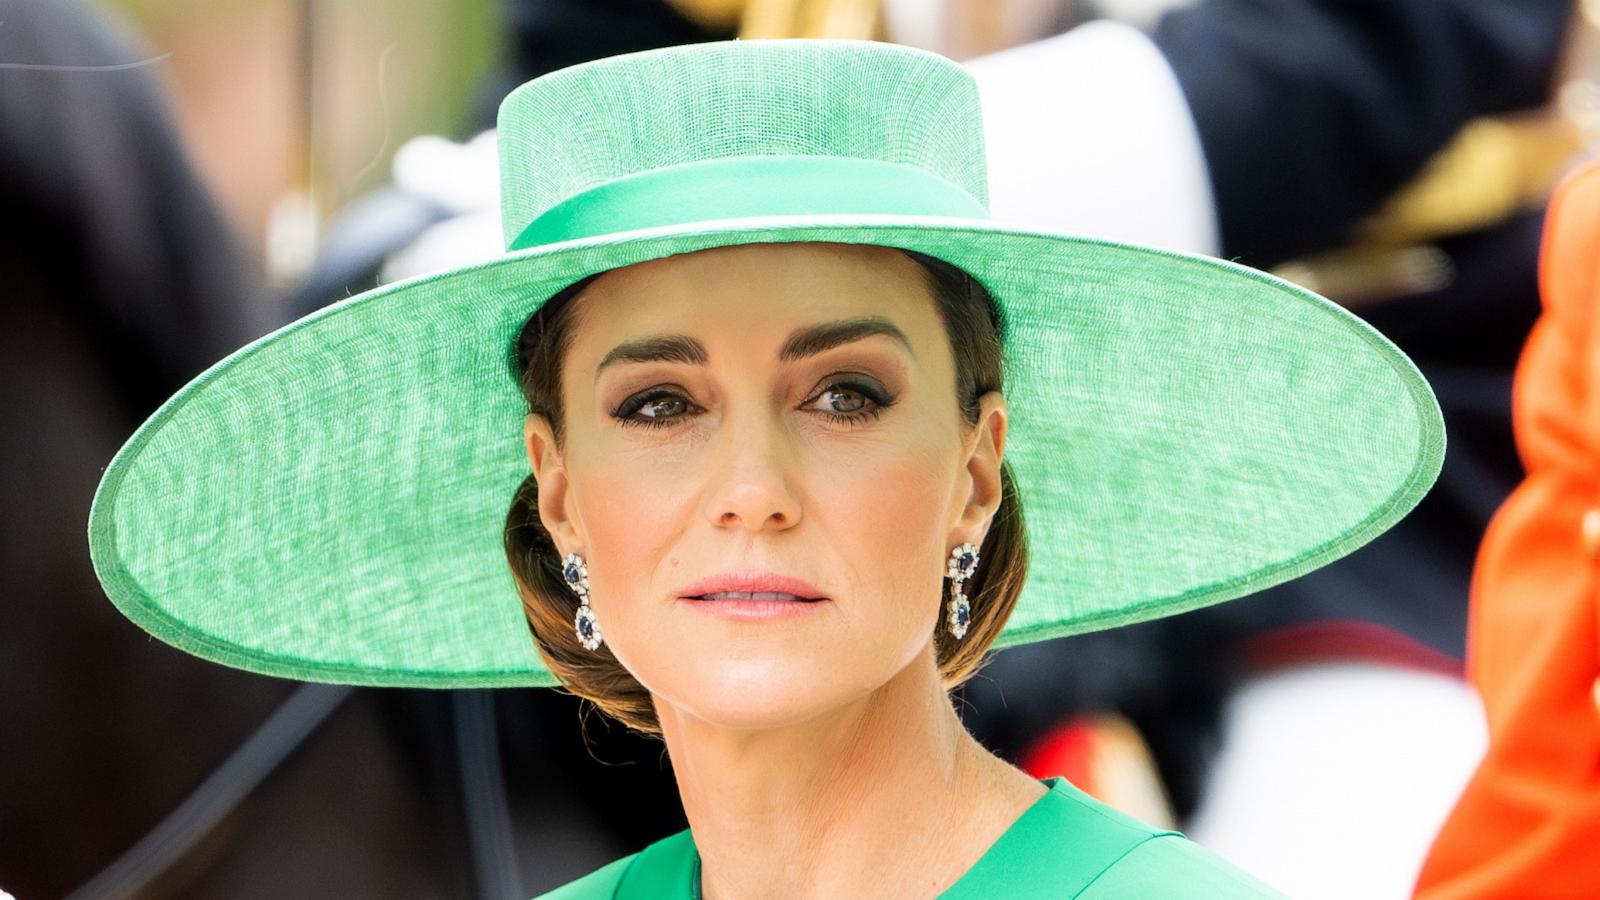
755, 694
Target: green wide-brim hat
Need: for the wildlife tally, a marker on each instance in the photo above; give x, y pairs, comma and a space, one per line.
327, 503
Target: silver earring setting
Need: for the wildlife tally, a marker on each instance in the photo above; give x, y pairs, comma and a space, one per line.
963, 562
576, 573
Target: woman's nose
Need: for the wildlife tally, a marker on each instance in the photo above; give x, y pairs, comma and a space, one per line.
750, 479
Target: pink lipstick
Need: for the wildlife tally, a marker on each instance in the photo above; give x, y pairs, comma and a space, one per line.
753, 596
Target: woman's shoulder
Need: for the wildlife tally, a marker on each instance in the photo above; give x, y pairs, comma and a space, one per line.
1171, 865
1072, 845
1144, 861
665, 869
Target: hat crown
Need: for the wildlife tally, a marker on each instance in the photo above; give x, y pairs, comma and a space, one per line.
586, 125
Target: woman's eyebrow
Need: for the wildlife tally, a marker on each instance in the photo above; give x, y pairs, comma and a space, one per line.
657, 348
814, 339
802, 342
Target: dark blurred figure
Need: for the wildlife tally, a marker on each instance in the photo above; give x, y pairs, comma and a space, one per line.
1313, 112
120, 280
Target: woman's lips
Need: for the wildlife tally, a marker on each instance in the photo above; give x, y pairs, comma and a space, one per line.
753, 597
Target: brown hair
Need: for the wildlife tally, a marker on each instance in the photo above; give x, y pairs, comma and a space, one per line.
974, 328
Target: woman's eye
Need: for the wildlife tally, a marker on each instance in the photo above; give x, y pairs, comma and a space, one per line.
664, 408
850, 402
842, 400
652, 409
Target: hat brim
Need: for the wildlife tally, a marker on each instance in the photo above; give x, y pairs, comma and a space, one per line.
327, 503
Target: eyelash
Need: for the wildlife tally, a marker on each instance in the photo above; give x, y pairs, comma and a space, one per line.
878, 398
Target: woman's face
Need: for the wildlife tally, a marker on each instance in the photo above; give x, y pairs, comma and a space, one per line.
772, 418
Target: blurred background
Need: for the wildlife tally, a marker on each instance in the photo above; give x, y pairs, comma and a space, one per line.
178, 177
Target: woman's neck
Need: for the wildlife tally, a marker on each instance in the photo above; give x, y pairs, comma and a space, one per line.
889, 792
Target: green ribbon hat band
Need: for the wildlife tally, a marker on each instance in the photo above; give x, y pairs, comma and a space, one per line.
740, 187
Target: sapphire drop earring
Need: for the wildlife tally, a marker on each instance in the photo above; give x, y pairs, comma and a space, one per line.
576, 573
963, 562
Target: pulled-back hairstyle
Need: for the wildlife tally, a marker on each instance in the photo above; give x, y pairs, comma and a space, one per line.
973, 327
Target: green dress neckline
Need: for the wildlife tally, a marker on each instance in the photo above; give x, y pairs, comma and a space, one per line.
1031, 852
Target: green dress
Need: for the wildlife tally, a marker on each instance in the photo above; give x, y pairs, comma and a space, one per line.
1067, 844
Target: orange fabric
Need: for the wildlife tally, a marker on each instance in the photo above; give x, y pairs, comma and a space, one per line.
1528, 823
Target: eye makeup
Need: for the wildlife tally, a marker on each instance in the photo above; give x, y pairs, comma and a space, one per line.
664, 406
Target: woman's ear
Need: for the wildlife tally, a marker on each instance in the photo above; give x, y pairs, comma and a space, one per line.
985, 449
551, 474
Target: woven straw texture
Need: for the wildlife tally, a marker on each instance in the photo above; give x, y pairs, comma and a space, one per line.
327, 502
588, 124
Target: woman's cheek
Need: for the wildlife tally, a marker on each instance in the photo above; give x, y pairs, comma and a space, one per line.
886, 510
631, 516
636, 487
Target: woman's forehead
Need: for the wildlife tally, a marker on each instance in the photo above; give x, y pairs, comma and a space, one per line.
764, 287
